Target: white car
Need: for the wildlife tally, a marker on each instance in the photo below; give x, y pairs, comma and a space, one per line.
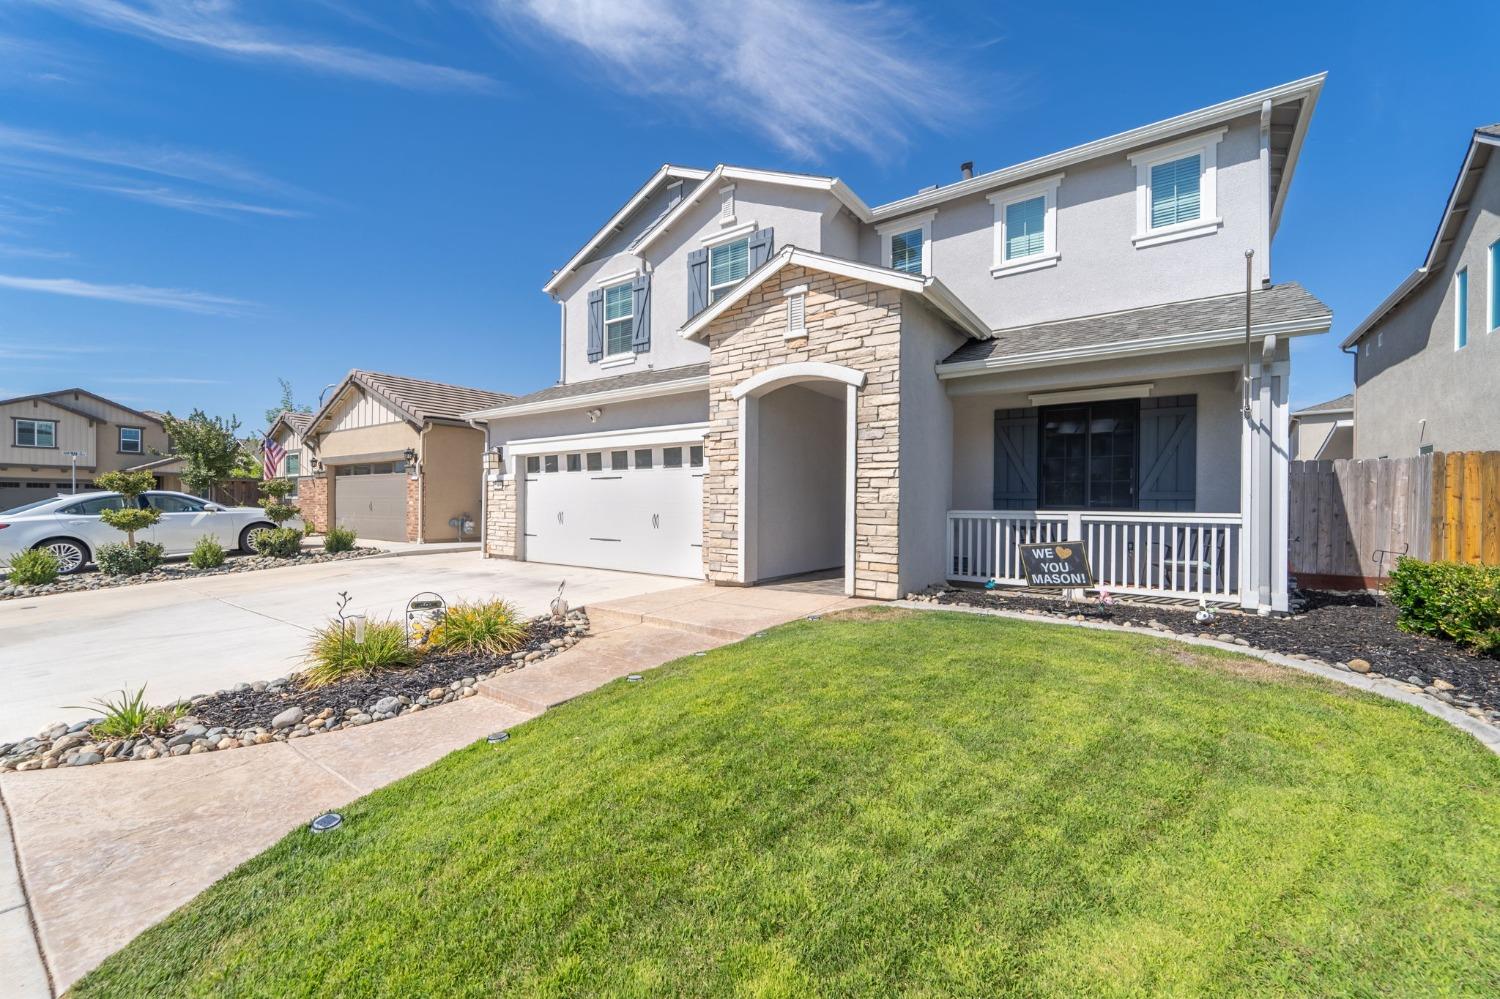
70, 528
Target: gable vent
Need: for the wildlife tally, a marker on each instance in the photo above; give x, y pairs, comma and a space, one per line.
726, 206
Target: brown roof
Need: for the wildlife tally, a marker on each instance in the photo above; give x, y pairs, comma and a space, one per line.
1342, 404
415, 398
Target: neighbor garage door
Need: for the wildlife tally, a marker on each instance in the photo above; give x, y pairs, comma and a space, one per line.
19, 492
370, 500
638, 509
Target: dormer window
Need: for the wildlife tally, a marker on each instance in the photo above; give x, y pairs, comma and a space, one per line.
36, 433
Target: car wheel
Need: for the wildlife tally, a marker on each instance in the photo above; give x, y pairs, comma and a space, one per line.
248, 536
71, 555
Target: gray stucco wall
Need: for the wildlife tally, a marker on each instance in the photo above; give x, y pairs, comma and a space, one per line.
1219, 433
799, 482
799, 217
1100, 269
665, 411
926, 454
1411, 386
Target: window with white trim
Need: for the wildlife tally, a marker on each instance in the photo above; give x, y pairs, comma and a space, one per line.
1026, 227
619, 316
36, 433
1461, 309
293, 463
906, 244
130, 440
728, 264
1176, 190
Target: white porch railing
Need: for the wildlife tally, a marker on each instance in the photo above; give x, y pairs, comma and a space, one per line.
1188, 555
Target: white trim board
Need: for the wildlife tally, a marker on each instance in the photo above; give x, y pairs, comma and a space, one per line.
628, 394
675, 434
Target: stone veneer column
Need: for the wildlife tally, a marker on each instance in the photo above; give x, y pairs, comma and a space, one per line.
849, 323
500, 511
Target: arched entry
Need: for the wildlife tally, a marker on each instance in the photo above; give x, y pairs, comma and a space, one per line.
798, 445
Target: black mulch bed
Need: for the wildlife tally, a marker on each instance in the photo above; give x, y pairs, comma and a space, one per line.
241, 709
1334, 627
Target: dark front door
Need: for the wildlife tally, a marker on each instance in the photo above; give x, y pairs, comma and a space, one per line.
1089, 455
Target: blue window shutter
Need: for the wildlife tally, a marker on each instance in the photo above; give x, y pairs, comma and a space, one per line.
640, 295
762, 245
1025, 228
1169, 453
697, 262
1175, 195
1015, 459
596, 325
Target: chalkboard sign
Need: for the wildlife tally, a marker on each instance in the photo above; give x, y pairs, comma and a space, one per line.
1062, 563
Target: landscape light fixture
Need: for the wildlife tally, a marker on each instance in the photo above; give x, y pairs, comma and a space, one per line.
497, 737
327, 822
633, 678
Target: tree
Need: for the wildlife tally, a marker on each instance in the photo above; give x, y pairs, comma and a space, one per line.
132, 517
288, 403
209, 448
278, 511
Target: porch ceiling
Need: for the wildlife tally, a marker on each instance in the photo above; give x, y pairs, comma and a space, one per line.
1286, 309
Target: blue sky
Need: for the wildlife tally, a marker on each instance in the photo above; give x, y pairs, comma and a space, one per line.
199, 197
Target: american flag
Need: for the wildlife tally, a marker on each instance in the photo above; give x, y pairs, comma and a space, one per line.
273, 453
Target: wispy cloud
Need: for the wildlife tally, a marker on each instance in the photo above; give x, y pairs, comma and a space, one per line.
32, 252
216, 26
47, 351
169, 198
131, 294
813, 75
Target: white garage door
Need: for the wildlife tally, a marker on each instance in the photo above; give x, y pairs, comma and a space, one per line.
638, 509
19, 492
370, 500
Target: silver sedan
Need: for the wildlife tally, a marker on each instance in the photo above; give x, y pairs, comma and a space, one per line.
69, 526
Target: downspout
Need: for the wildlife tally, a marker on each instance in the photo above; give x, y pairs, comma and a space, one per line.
484, 489
422, 483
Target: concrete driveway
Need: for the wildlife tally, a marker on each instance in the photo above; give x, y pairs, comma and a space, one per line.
188, 637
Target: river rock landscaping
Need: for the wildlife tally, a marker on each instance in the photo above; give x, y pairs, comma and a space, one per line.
95, 580
1350, 631
253, 714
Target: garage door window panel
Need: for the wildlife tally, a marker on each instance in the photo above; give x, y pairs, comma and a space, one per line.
549, 463
643, 458
619, 461
671, 457
575, 462
534, 465
596, 461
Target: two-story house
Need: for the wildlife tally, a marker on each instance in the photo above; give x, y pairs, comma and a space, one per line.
1420, 358
54, 439
763, 375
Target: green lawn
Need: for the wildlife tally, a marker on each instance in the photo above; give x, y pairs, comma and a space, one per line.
921, 804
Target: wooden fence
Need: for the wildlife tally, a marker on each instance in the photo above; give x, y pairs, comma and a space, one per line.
1350, 519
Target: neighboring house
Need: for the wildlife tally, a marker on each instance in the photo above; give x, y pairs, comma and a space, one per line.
40, 431
297, 463
763, 375
1325, 431
392, 458
168, 469
1424, 360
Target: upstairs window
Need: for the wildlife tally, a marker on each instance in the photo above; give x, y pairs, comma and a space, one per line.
130, 440
1494, 303
1175, 191
1461, 309
36, 433
906, 251
1025, 228
728, 264
617, 319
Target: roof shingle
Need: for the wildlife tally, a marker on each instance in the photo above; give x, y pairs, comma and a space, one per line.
1288, 302
423, 400
1343, 402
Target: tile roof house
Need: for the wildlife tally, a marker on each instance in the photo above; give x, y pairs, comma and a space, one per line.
389, 457
1419, 357
764, 375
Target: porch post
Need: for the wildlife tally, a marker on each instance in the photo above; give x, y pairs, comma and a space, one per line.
749, 452
1264, 457
851, 482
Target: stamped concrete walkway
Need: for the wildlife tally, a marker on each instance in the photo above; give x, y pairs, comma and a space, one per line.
105, 852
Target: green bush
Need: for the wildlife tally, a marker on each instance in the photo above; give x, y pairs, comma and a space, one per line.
207, 553
1449, 599
280, 542
339, 539
334, 654
490, 627
128, 560
33, 568
129, 715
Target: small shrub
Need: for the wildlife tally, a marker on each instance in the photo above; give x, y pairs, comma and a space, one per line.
490, 627
207, 553
128, 560
1449, 599
279, 542
334, 655
129, 715
339, 539
35, 567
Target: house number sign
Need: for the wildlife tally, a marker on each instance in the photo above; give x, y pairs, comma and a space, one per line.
1062, 563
